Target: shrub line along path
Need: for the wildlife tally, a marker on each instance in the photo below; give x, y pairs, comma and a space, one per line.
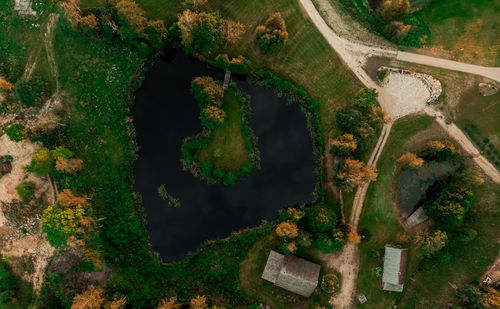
354, 56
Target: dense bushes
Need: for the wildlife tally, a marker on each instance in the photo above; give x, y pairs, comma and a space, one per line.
17, 132
448, 200
392, 19
25, 189
25, 94
316, 228
14, 292
272, 35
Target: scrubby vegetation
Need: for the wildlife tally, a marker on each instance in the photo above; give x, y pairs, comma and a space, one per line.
392, 19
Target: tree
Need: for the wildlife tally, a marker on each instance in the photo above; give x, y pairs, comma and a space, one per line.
365, 98
41, 162
206, 91
25, 189
60, 223
61, 153
353, 173
169, 303
199, 302
287, 229
393, 9
73, 14
321, 218
8, 285
17, 132
396, 30
470, 297
133, 15
272, 36
443, 150
344, 145
431, 243
410, 160
490, 298
200, 33
67, 199
239, 65
233, 31
6, 86
353, 122
92, 298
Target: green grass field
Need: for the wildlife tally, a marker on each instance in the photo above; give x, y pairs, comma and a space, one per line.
478, 117
227, 148
427, 287
471, 25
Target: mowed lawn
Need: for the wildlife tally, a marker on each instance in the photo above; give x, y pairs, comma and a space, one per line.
307, 59
227, 149
473, 26
425, 287
478, 116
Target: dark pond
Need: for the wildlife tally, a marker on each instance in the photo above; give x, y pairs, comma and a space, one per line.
412, 183
165, 113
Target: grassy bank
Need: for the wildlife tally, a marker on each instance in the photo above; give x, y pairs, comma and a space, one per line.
227, 148
425, 287
467, 29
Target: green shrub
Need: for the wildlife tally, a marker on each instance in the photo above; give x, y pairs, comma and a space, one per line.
61, 152
382, 74
365, 98
321, 219
17, 132
326, 243
239, 66
379, 271
26, 189
221, 61
25, 94
42, 162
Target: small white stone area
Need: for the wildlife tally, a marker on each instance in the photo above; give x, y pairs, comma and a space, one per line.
23, 7
412, 91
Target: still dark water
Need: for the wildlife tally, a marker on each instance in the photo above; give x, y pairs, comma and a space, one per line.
413, 182
165, 113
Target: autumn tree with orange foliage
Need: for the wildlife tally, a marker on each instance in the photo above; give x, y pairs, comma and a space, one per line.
209, 96
199, 302
344, 145
92, 298
287, 229
66, 198
410, 160
73, 14
272, 35
233, 31
200, 32
490, 298
6, 86
352, 173
133, 14
169, 303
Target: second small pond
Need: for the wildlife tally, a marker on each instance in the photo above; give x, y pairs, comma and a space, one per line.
412, 183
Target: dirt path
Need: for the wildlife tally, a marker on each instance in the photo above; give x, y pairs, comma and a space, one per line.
489, 72
355, 56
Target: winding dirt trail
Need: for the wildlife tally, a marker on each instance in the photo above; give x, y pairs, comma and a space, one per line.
355, 56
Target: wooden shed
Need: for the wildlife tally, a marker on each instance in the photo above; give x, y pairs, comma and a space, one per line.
291, 273
394, 274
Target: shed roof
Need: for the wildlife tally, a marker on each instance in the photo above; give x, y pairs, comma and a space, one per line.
291, 273
394, 266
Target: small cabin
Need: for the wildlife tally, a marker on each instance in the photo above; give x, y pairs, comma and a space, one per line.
291, 273
394, 274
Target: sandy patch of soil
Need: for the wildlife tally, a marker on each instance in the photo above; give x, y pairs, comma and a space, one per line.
410, 91
13, 243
